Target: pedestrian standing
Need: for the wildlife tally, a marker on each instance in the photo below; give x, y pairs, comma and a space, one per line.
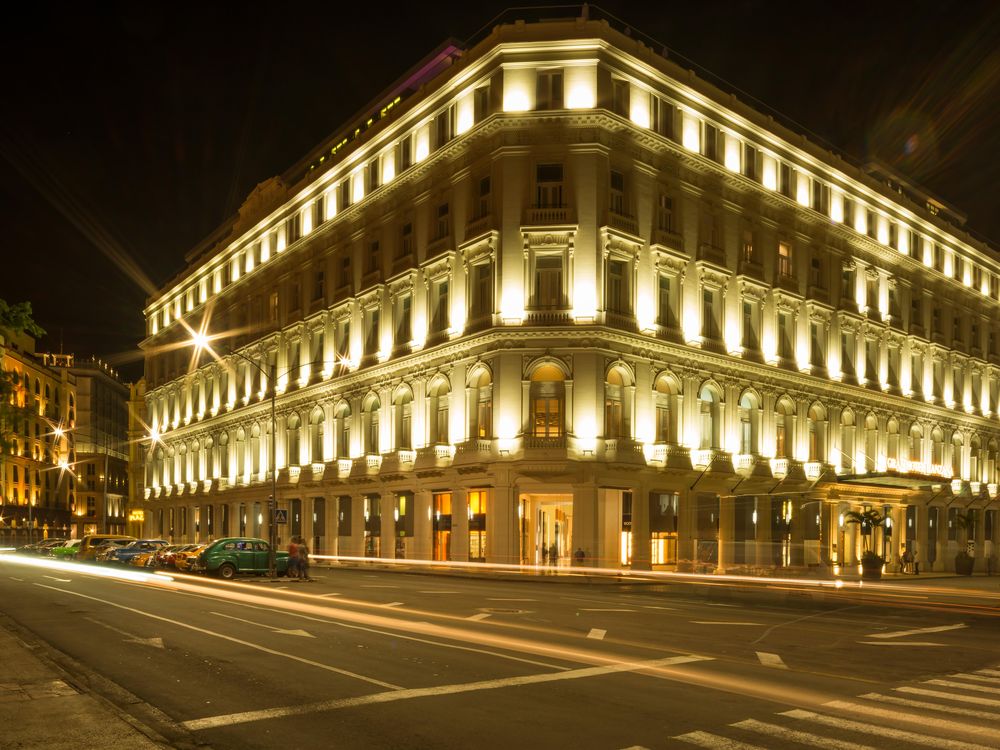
303, 560
293, 558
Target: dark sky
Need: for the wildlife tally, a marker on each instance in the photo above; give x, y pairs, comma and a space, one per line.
129, 131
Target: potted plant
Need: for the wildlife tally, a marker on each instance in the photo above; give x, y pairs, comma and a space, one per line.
965, 560
869, 520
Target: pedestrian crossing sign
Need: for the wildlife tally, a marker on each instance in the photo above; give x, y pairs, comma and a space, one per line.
280, 515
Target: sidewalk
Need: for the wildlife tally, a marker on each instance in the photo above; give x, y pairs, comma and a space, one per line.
40, 709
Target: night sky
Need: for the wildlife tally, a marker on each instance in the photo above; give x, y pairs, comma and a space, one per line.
131, 130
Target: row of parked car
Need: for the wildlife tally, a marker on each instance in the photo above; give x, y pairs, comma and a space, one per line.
225, 558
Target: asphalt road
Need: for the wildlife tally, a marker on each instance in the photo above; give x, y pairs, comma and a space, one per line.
379, 659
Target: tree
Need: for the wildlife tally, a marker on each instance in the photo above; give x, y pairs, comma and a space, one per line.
868, 520
18, 318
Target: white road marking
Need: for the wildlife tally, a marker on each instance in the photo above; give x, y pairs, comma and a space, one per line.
16, 579
977, 678
792, 735
230, 638
721, 605
882, 731
900, 643
283, 631
506, 599
636, 747
771, 660
958, 710
61, 580
922, 719
393, 604
604, 609
715, 742
993, 672
478, 616
963, 686
917, 631
212, 722
597, 634
653, 606
440, 592
723, 622
949, 696
329, 594
378, 586
155, 642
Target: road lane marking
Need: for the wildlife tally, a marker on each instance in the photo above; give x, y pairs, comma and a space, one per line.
793, 735
916, 631
440, 592
958, 710
636, 747
921, 719
723, 622
16, 579
963, 686
720, 605
949, 696
392, 604
900, 643
212, 722
155, 642
283, 631
653, 606
715, 742
605, 609
771, 660
873, 728
507, 599
478, 616
978, 678
61, 580
248, 644
993, 672
337, 594
597, 634
379, 586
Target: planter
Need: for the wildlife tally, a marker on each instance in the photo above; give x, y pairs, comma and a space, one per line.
871, 570
964, 564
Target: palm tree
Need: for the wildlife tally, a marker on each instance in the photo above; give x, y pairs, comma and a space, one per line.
868, 520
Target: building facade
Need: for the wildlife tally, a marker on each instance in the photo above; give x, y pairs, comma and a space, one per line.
555, 295
37, 486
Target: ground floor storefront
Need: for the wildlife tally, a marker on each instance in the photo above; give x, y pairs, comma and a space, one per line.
559, 515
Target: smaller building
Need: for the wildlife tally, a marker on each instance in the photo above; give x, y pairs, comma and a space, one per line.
37, 486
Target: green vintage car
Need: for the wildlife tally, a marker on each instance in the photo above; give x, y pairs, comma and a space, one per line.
67, 551
228, 557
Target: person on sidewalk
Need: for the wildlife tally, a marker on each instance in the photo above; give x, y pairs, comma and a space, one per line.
303, 560
293, 558
579, 555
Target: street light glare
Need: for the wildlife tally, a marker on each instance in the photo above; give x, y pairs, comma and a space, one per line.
199, 340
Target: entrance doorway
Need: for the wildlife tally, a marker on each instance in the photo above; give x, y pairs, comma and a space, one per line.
551, 532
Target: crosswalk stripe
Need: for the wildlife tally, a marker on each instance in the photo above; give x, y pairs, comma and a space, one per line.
896, 734
963, 686
977, 678
991, 672
957, 710
950, 696
884, 713
804, 738
715, 742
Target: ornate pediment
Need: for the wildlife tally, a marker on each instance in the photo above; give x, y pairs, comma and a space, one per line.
263, 199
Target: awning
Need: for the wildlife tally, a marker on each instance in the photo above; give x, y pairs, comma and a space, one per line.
896, 481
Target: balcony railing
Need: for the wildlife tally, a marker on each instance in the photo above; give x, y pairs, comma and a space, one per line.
623, 223
530, 441
547, 216
479, 226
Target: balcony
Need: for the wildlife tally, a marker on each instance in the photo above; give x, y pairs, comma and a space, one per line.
438, 246
477, 449
669, 239
709, 252
548, 216
344, 466
548, 317
478, 227
532, 442
623, 223
622, 321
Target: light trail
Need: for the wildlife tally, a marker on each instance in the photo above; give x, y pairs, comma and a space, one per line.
125, 574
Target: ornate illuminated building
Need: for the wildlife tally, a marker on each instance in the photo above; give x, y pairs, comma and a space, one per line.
554, 293
37, 487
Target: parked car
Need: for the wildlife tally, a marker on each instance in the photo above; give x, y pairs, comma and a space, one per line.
125, 554
103, 552
92, 543
228, 557
184, 558
164, 557
66, 551
41, 547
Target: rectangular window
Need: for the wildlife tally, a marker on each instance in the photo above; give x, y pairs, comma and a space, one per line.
343, 338
617, 192
750, 161
549, 89
443, 228
319, 286
666, 315
482, 290
372, 175
440, 320
785, 259
661, 117
711, 142
750, 339
816, 273
620, 97
483, 204
617, 287
665, 214
481, 103
747, 247
272, 307
549, 186
871, 360
847, 353
709, 324
344, 197
916, 373
817, 348
345, 272
371, 330
785, 336
405, 152
549, 281
406, 241
374, 257
444, 127
404, 324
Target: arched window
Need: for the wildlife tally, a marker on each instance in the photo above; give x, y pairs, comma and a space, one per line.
937, 446
342, 420
817, 433
709, 406
749, 423
871, 442
255, 449
224, 454
403, 411
956, 455
182, 464
439, 396
548, 397
991, 461
666, 409
481, 404
316, 436
369, 420
615, 408
916, 443
292, 440
892, 443
847, 439
975, 460
784, 427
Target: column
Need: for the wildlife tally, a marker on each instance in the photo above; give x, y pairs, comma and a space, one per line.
764, 544
727, 530
641, 545
687, 530
387, 507
919, 547
980, 538
460, 525
307, 505
585, 521
503, 541
945, 555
